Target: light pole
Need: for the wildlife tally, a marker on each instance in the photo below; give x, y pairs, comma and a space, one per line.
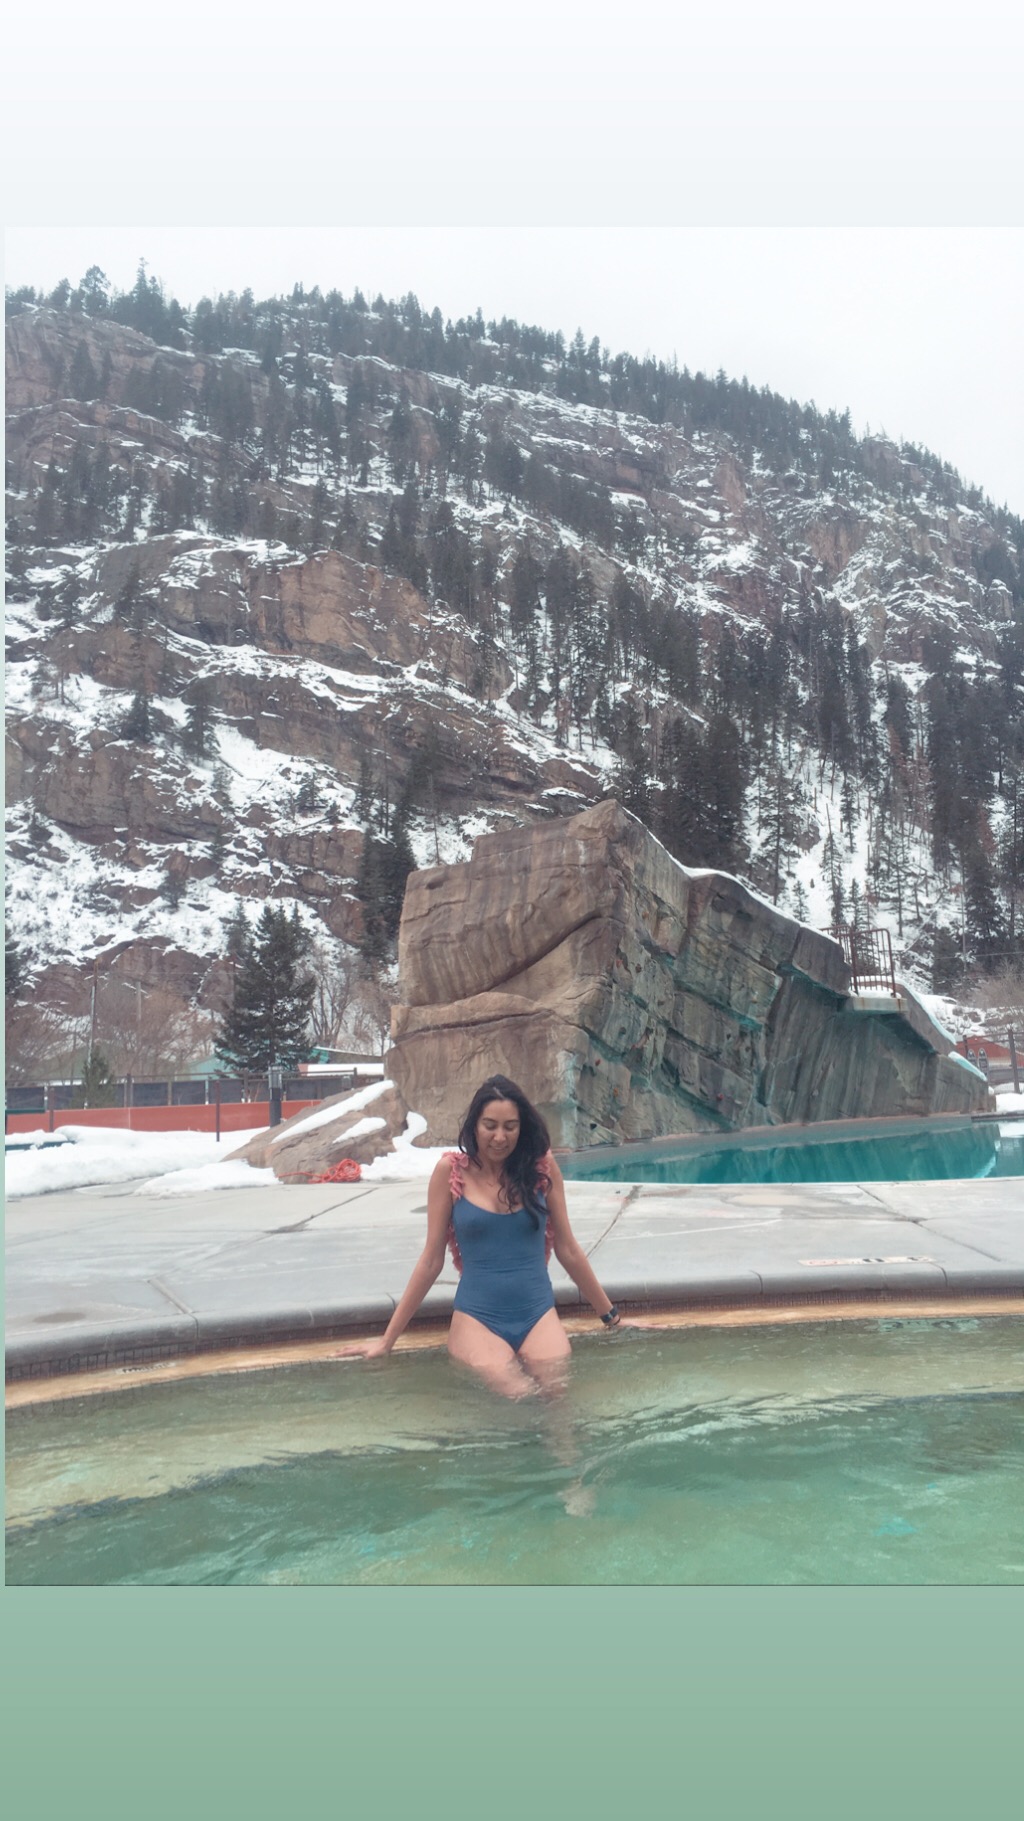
92, 1011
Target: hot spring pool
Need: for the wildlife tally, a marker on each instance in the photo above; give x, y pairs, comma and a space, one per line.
880, 1451
913, 1152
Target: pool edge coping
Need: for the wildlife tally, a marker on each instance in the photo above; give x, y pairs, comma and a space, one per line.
251, 1353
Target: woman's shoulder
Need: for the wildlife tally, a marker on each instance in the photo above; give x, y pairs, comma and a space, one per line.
451, 1167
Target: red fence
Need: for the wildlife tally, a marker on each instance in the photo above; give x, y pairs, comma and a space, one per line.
235, 1116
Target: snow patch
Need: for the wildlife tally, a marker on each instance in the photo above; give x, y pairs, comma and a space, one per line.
360, 1129
94, 1156
337, 1109
237, 1175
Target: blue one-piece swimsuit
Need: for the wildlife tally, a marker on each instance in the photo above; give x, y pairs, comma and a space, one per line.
504, 1282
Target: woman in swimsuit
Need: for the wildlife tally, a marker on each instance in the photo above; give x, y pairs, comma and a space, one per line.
499, 1203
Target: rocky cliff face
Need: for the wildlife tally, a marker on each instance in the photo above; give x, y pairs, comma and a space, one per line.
631, 997
234, 525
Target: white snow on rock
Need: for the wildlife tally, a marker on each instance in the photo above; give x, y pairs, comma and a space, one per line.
337, 1110
360, 1130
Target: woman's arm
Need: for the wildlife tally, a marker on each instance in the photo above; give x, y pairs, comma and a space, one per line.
569, 1252
425, 1271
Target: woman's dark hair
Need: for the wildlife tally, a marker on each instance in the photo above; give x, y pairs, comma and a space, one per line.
534, 1142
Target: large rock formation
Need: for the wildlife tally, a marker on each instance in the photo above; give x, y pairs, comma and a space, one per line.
632, 997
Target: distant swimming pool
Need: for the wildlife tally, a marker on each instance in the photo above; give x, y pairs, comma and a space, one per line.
882, 1152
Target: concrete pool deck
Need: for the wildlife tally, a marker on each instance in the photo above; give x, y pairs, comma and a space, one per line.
107, 1279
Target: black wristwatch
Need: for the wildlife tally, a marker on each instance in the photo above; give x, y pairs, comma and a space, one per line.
611, 1317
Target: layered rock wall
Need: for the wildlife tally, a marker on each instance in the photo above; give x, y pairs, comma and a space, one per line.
631, 997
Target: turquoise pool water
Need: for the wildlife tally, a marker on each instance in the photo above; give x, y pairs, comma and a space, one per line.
925, 1154
887, 1451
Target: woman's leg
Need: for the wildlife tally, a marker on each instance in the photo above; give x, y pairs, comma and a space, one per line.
545, 1352
477, 1346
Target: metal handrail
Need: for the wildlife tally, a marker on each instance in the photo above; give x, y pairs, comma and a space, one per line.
868, 955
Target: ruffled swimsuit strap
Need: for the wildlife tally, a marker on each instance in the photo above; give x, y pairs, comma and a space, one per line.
456, 1161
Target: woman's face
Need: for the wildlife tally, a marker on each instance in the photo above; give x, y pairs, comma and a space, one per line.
497, 1131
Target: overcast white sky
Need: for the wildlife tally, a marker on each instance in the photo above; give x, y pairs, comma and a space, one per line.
788, 144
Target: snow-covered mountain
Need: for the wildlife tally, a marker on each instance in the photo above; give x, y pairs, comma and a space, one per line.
367, 571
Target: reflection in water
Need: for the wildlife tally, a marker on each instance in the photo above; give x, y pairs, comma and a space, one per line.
927, 1156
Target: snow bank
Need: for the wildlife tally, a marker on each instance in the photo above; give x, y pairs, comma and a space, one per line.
100, 1155
407, 1162
188, 1163
235, 1175
403, 1166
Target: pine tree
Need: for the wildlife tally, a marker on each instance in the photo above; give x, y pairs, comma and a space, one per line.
983, 912
172, 889
237, 935
46, 506
267, 1023
451, 562
848, 811
317, 527
779, 828
132, 605
719, 806
14, 968
198, 738
947, 962
306, 798
97, 1085
399, 862
82, 378
94, 291
401, 440
132, 508
138, 722
386, 864
362, 807
370, 890
632, 785
681, 777
348, 524
832, 866
266, 521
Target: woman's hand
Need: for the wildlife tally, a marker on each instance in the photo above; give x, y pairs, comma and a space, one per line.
362, 1349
